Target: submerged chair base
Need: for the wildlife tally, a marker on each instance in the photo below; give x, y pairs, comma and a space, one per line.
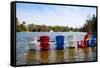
59, 48
59, 45
91, 43
44, 46
34, 46
81, 44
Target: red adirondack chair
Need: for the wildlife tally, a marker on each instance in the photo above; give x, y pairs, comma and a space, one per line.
83, 43
44, 43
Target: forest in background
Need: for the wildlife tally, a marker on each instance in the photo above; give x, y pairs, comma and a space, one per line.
89, 26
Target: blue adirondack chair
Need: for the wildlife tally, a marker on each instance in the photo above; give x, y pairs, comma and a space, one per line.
92, 42
59, 42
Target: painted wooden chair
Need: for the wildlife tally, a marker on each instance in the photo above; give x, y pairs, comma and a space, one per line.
59, 42
33, 43
44, 43
93, 41
83, 43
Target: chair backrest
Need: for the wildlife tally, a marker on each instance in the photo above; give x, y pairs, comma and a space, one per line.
59, 38
44, 39
32, 39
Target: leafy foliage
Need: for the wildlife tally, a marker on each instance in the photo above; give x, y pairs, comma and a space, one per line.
89, 26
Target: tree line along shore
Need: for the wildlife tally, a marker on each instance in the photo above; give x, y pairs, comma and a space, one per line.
89, 26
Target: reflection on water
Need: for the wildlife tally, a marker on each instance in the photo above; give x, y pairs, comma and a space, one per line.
86, 53
44, 56
56, 56
71, 55
31, 57
59, 56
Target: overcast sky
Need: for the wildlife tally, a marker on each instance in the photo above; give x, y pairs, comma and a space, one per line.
72, 16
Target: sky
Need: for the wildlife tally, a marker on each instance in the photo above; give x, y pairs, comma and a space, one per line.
51, 15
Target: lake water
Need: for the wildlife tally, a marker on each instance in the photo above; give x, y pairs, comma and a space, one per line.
25, 56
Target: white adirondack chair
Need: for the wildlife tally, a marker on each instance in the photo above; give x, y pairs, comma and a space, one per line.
71, 40
33, 43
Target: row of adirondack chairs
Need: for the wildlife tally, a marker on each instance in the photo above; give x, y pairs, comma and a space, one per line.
89, 40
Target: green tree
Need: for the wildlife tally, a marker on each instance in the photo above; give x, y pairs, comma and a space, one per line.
23, 27
18, 26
